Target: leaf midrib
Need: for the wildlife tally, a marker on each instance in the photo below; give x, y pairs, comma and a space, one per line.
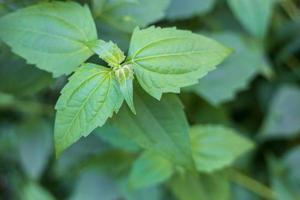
82, 106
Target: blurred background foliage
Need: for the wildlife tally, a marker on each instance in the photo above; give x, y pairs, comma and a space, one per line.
256, 91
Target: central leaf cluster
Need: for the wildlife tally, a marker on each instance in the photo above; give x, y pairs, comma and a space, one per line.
163, 60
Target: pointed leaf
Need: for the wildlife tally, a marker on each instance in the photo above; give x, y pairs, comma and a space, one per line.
50, 35
160, 126
108, 51
35, 146
164, 60
255, 15
215, 147
90, 97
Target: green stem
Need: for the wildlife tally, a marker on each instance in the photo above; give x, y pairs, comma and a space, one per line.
290, 8
252, 184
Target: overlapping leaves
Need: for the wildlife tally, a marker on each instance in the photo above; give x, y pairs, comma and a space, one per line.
60, 36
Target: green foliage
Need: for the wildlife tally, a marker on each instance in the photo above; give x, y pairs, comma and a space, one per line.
254, 15
33, 191
67, 67
125, 15
189, 8
91, 96
248, 59
283, 121
108, 51
149, 169
50, 35
204, 186
35, 147
164, 60
14, 70
216, 147
159, 126
113, 135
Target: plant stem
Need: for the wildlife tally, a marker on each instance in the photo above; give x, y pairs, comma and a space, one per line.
252, 184
290, 8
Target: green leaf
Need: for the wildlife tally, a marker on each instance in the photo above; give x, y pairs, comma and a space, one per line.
90, 97
215, 147
254, 15
92, 185
284, 185
203, 187
164, 60
292, 162
159, 126
150, 169
33, 191
50, 35
179, 9
283, 117
108, 51
125, 15
111, 134
125, 77
234, 74
14, 70
35, 146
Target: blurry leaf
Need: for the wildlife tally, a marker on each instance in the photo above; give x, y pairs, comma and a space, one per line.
33, 191
92, 185
11, 5
214, 115
166, 59
149, 193
35, 146
108, 33
292, 162
254, 15
282, 182
205, 187
288, 37
111, 134
283, 119
86, 102
150, 169
50, 35
289, 50
18, 78
125, 15
113, 163
77, 155
179, 9
215, 147
234, 74
159, 126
